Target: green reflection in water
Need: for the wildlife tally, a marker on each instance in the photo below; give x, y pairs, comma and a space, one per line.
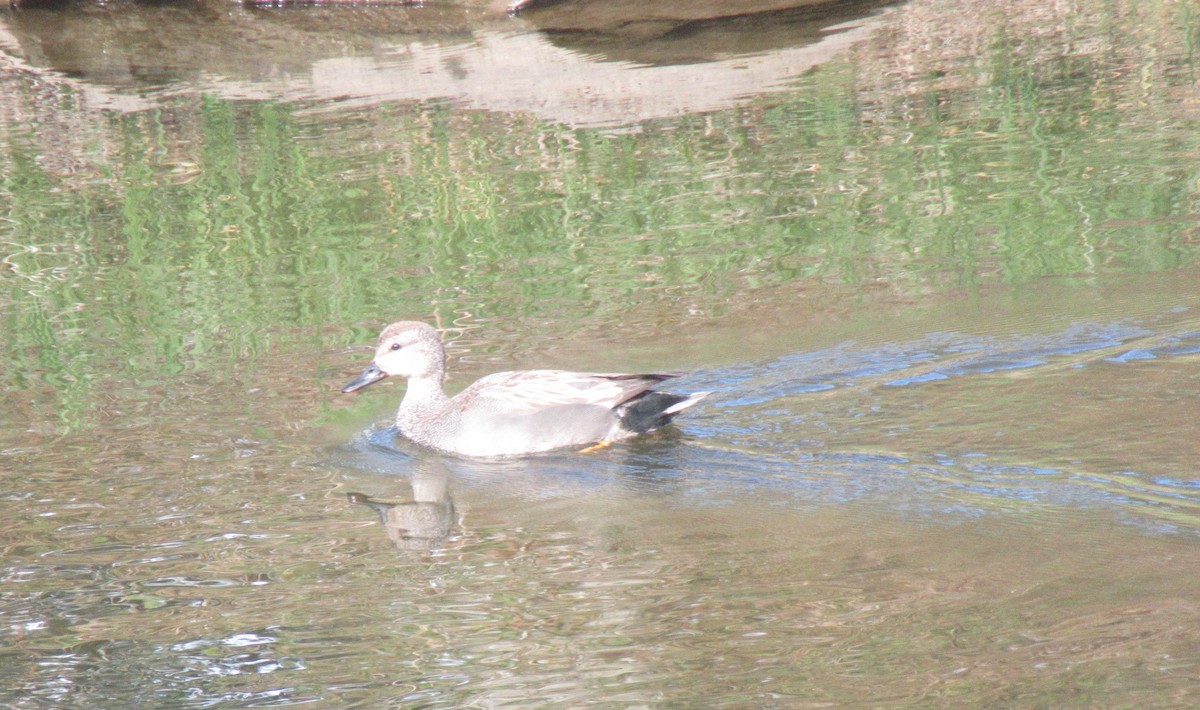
208, 232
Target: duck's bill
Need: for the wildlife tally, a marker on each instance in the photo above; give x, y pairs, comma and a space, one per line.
369, 376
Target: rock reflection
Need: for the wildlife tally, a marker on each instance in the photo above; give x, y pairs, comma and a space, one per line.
687, 32
559, 65
425, 521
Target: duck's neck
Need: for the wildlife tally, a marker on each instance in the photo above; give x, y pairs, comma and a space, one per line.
423, 396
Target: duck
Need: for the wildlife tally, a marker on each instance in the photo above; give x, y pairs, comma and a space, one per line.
507, 414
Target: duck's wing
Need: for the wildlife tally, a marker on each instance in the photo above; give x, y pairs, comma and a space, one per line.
534, 390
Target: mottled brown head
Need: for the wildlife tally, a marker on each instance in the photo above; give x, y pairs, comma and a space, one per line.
405, 349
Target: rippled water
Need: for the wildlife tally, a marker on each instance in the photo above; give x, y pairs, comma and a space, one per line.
820, 522
940, 275
1019, 423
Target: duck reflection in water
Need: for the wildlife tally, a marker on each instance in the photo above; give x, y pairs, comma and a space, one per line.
423, 523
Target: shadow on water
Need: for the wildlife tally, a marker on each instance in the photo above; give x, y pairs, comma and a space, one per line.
950, 424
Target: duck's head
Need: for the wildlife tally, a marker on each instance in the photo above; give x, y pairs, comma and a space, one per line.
405, 349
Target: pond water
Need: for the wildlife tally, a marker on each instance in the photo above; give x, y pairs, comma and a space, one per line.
940, 269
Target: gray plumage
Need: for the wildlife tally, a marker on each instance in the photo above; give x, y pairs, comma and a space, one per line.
513, 413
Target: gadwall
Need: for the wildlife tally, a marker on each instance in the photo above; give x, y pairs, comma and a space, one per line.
513, 413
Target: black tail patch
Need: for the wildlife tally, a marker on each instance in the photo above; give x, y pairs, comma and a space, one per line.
647, 411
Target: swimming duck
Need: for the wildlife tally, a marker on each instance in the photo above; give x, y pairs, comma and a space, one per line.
513, 413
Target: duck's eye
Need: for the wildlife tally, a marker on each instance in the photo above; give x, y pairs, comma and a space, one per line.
396, 346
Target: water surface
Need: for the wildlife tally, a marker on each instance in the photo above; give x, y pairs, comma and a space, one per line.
940, 274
